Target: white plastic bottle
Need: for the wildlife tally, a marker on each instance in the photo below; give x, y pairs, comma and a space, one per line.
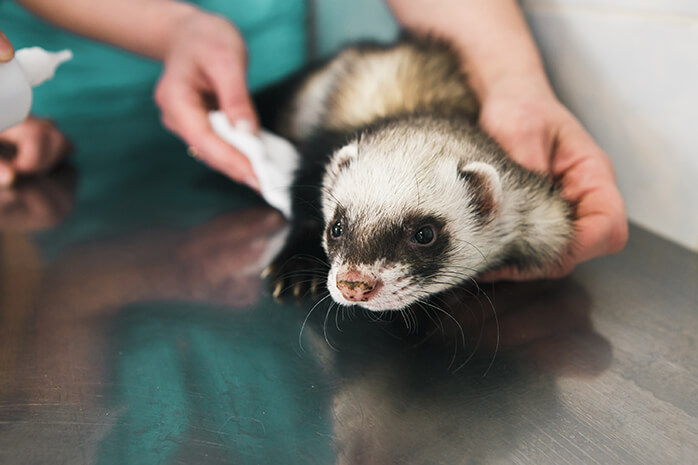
29, 68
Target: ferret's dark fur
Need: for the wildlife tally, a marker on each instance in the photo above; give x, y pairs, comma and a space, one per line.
399, 190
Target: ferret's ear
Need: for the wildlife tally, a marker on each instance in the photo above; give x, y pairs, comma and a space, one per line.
341, 160
486, 185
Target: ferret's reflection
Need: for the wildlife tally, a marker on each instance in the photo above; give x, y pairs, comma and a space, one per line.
408, 400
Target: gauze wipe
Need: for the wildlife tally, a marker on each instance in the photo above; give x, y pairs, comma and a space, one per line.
273, 158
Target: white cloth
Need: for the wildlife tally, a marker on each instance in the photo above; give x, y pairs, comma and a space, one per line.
273, 158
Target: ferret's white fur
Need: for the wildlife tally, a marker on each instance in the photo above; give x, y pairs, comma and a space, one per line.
417, 168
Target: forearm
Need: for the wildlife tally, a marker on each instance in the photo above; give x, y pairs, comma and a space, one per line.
491, 35
142, 26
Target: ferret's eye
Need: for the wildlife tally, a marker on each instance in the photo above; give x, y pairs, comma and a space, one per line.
337, 231
425, 236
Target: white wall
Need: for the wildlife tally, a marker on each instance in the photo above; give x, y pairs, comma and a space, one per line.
627, 68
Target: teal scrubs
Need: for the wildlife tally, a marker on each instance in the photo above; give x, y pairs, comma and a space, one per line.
191, 373
102, 78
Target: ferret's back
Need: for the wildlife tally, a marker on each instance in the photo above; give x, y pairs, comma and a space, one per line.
367, 83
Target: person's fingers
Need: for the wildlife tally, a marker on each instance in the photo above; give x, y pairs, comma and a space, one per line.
7, 174
600, 233
588, 181
529, 148
31, 152
228, 78
184, 114
525, 137
7, 52
39, 146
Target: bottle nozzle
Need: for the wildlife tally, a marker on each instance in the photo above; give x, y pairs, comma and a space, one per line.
39, 65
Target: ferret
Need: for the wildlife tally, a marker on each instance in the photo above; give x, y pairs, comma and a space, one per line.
399, 191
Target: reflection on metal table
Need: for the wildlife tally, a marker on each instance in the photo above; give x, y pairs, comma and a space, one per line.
135, 329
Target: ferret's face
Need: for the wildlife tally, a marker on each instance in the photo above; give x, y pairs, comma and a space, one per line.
398, 226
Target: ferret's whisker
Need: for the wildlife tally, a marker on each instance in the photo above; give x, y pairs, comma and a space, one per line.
305, 321
324, 329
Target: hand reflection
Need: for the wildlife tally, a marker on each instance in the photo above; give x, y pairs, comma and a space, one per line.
221, 261
216, 263
34, 204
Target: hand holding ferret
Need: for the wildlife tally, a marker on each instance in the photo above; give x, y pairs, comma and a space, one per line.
520, 111
541, 134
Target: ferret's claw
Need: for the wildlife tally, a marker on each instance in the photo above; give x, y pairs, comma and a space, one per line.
278, 287
267, 271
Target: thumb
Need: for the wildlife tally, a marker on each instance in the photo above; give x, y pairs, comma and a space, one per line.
6, 50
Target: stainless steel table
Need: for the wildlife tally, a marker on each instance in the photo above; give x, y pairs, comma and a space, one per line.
134, 329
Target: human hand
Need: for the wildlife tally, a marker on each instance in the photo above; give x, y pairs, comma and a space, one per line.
33, 146
7, 52
207, 58
541, 134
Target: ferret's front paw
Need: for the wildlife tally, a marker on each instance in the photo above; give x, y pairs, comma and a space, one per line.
297, 271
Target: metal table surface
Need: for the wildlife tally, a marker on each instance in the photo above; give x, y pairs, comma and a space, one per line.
134, 329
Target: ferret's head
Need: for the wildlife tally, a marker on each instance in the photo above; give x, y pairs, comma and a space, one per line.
404, 217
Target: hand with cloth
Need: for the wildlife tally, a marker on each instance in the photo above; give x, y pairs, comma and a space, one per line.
204, 59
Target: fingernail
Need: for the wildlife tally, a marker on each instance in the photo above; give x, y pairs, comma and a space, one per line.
244, 124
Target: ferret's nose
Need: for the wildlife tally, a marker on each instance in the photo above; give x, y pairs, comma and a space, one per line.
356, 286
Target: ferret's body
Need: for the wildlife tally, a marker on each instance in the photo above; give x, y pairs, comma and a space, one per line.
407, 196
